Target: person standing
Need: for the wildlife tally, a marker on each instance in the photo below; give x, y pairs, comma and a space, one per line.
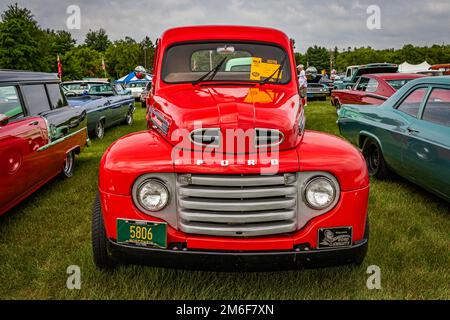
303, 83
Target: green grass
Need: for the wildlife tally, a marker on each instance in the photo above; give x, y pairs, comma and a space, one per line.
50, 230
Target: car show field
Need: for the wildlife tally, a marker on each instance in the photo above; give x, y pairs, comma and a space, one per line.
50, 231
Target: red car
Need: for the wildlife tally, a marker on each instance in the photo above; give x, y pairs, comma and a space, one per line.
372, 89
39, 134
227, 177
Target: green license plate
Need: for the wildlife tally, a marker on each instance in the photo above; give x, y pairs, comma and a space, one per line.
142, 233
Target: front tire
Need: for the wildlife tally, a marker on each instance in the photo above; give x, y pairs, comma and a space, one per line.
337, 104
376, 165
99, 130
69, 165
129, 118
102, 257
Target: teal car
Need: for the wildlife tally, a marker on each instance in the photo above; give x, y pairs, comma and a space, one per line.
408, 134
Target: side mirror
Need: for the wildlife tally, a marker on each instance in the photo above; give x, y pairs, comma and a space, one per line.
3, 119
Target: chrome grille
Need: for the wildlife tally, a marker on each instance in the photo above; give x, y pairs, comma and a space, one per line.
237, 205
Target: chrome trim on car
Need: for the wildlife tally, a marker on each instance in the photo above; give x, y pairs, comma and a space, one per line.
237, 205
52, 143
274, 144
216, 136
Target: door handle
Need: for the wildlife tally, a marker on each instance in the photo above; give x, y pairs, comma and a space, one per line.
34, 123
411, 130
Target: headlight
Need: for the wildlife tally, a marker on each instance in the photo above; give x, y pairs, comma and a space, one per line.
152, 195
320, 192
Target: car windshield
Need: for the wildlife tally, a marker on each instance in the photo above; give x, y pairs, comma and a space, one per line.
75, 86
250, 62
101, 90
398, 83
137, 84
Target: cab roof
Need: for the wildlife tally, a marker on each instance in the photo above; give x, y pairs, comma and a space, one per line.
224, 32
26, 76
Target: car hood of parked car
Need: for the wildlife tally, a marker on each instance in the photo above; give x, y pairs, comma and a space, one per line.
229, 108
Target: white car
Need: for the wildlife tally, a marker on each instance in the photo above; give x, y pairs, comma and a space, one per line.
136, 88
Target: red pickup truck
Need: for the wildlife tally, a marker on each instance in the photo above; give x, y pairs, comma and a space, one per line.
226, 177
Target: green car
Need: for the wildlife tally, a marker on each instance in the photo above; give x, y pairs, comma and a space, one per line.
408, 134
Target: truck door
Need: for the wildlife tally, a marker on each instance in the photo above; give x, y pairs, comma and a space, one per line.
21, 136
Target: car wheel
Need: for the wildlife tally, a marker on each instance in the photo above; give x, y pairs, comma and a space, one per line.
129, 118
144, 104
337, 104
100, 130
376, 164
69, 165
102, 257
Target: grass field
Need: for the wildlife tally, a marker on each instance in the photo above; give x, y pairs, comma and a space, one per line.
40, 238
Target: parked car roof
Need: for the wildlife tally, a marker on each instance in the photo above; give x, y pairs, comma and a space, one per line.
21, 76
394, 76
212, 32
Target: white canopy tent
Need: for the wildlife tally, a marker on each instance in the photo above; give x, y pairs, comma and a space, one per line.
406, 67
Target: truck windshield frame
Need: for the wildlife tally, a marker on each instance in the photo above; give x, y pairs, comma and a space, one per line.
184, 72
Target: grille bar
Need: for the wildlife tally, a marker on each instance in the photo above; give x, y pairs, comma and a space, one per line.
237, 218
237, 205
236, 193
245, 230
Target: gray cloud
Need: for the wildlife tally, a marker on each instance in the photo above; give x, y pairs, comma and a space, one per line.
322, 22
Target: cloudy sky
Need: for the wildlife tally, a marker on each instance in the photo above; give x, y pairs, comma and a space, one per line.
322, 22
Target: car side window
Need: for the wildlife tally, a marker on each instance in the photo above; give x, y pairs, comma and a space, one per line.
10, 104
362, 84
57, 98
411, 104
437, 108
36, 98
372, 85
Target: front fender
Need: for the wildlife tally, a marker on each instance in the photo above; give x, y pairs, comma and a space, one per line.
131, 156
323, 152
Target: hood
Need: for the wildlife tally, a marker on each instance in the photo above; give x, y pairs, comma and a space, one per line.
232, 110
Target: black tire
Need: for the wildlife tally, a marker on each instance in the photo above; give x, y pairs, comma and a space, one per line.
337, 104
102, 257
99, 131
129, 118
144, 104
323, 98
69, 165
376, 165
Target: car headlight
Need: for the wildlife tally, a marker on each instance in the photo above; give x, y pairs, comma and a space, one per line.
152, 195
320, 192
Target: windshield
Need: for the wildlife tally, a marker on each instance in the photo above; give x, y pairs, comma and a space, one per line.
137, 84
241, 62
398, 83
101, 89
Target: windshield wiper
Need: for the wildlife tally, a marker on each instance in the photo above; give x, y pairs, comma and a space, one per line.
211, 74
276, 72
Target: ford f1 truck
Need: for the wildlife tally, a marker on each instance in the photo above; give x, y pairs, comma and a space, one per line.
226, 177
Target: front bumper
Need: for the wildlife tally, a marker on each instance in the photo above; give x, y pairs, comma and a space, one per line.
299, 258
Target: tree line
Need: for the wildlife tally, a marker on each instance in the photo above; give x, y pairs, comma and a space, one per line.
24, 45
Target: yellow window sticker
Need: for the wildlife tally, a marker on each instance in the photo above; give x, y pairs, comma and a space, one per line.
261, 69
